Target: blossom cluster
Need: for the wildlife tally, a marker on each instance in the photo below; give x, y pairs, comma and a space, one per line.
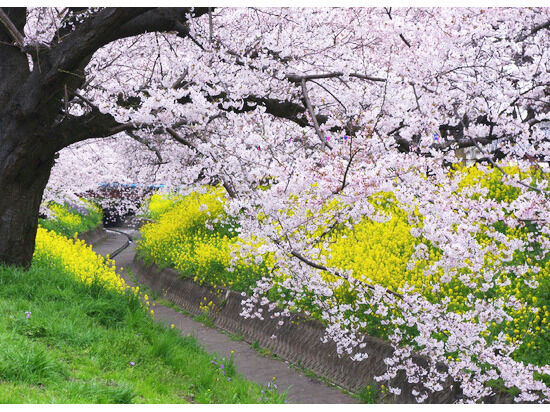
498, 307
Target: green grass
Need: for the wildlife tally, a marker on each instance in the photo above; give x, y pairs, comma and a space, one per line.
368, 394
205, 319
237, 337
268, 353
88, 345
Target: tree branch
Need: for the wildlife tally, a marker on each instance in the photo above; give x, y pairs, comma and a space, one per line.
85, 100
92, 34
416, 97
314, 265
91, 125
146, 144
404, 40
226, 184
180, 139
545, 192
71, 55
297, 78
210, 25
313, 117
18, 38
164, 19
534, 30
112, 24
348, 166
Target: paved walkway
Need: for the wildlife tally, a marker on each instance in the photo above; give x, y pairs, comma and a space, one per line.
249, 363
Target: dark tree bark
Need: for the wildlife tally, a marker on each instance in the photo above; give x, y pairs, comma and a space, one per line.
24, 174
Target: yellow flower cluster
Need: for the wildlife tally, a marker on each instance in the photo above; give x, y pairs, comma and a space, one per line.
159, 203
65, 216
69, 221
378, 252
180, 239
531, 323
77, 258
492, 180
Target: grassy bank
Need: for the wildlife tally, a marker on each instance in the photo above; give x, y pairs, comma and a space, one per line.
64, 342
71, 331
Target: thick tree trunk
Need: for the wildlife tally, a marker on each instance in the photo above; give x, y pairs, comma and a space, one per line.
19, 205
25, 166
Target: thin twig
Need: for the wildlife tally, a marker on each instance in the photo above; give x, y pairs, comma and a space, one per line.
85, 100
534, 30
388, 12
180, 139
313, 117
329, 92
210, 24
352, 155
325, 269
379, 116
404, 40
179, 82
545, 192
416, 97
146, 144
196, 42
71, 73
226, 184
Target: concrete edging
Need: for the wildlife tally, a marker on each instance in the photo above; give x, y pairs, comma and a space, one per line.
298, 342
92, 236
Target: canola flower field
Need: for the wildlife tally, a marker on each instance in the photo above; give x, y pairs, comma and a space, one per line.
181, 240
78, 258
187, 234
53, 246
70, 219
72, 331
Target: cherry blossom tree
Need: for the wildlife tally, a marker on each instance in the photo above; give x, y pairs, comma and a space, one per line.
308, 105
42, 72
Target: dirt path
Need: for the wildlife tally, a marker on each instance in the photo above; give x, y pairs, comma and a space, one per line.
252, 365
